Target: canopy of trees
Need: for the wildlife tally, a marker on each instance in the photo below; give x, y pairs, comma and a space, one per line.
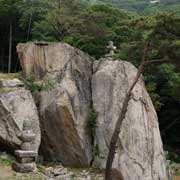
143, 6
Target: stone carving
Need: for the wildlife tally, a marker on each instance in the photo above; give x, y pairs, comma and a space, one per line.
25, 158
111, 49
27, 136
16, 105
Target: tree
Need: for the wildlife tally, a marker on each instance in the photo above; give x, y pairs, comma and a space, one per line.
88, 28
63, 18
9, 12
154, 36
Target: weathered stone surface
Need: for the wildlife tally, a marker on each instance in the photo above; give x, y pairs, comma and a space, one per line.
25, 154
24, 168
64, 109
16, 105
140, 156
64, 112
10, 83
25, 160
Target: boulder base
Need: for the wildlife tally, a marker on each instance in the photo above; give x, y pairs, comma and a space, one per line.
139, 154
24, 168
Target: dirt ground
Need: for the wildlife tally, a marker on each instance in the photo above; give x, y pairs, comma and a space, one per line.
6, 173
176, 178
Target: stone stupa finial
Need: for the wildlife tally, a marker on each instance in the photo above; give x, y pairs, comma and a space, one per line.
111, 48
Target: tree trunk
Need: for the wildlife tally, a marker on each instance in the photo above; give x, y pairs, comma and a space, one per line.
2, 59
10, 47
29, 27
122, 115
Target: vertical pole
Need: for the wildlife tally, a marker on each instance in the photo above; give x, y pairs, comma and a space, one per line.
29, 27
2, 59
10, 47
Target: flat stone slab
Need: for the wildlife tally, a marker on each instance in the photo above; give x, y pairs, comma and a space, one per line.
11, 83
25, 160
25, 154
23, 168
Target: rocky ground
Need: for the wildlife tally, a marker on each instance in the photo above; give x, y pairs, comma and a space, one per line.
58, 172
63, 174
47, 172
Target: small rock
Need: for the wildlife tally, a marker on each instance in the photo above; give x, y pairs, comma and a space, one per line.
49, 171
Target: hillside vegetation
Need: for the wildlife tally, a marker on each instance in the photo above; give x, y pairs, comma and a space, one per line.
144, 6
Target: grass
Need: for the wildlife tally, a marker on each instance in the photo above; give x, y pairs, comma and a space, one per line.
175, 168
6, 160
10, 75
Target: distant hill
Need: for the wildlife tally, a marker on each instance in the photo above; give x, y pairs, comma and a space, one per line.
144, 6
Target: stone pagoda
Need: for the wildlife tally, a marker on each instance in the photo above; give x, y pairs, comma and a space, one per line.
26, 157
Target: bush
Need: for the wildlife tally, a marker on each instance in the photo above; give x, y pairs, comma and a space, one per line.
34, 84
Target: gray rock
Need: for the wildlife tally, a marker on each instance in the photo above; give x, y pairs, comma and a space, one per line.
140, 156
10, 83
16, 105
64, 109
25, 160
24, 168
25, 154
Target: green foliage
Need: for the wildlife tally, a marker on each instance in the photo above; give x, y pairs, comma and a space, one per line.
167, 74
34, 84
172, 156
96, 150
152, 88
48, 84
41, 168
175, 168
144, 6
30, 83
9, 76
6, 160
174, 161
92, 121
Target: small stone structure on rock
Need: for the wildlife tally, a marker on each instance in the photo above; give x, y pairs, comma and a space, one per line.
25, 158
111, 48
16, 105
64, 112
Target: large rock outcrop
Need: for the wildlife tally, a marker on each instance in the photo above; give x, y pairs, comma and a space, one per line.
139, 154
16, 106
64, 109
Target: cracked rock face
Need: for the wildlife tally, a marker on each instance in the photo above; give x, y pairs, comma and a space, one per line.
64, 109
139, 154
16, 105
